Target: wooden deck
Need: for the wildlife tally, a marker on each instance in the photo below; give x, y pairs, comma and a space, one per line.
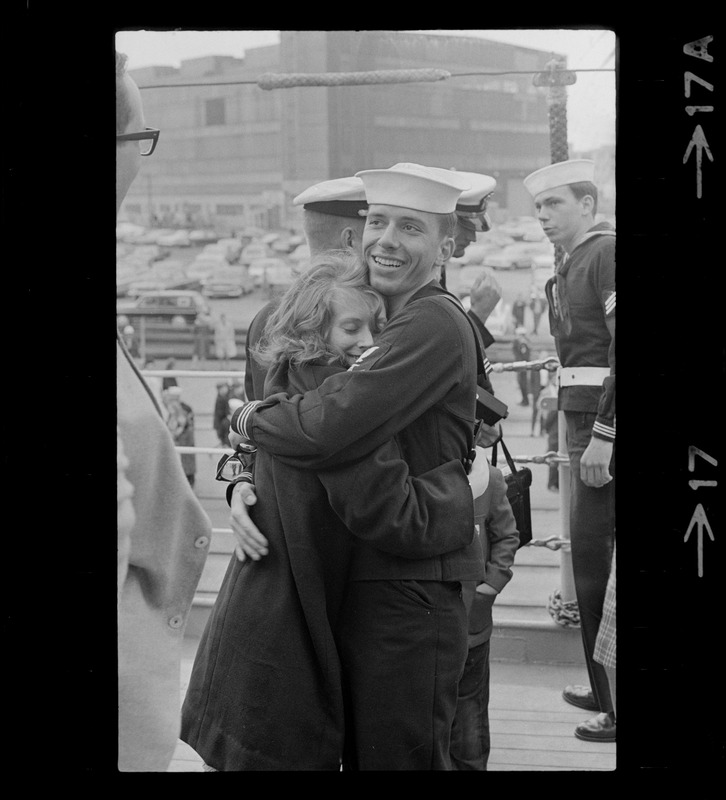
531, 725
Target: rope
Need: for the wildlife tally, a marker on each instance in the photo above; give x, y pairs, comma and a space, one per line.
550, 457
567, 615
194, 373
551, 543
271, 80
256, 81
550, 364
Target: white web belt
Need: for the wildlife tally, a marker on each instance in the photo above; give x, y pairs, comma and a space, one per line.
582, 376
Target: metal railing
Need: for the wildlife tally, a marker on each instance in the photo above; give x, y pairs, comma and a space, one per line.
562, 604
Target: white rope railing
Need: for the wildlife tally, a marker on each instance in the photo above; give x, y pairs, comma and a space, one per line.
212, 451
550, 364
194, 373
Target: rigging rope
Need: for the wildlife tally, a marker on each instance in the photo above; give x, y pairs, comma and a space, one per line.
272, 80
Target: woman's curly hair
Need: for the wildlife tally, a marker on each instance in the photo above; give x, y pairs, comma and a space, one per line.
297, 330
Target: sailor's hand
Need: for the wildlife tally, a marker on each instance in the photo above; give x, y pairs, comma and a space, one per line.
250, 541
595, 463
484, 295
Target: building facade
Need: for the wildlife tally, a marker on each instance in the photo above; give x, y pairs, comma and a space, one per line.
233, 155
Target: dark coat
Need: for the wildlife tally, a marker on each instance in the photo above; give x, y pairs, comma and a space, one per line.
266, 688
413, 383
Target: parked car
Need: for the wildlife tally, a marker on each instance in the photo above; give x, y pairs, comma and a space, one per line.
476, 252
278, 278
230, 248
175, 239
300, 253
149, 252
172, 273
518, 227
151, 235
164, 306
534, 234
252, 252
128, 231
283, 245
202, 236
517, 256
228, 282
203, 267
127, 274
258, 268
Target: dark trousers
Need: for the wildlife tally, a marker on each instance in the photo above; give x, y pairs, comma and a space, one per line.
523, 382
470, 740
403, 646
592, 535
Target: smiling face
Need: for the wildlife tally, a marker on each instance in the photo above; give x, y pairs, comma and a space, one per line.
352, 325
403, 249
562, 216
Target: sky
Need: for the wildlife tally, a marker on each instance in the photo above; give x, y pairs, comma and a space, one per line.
590, 101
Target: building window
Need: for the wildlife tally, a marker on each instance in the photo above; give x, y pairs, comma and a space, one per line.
214, 111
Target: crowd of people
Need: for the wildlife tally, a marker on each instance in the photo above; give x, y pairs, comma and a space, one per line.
372, 534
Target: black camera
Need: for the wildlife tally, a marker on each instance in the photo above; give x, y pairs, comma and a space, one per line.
488, 408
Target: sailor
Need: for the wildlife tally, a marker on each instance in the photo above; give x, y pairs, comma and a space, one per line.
333, 219
404, 634
581, 298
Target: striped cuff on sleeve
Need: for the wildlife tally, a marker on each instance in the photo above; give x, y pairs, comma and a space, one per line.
601, 430
240, 416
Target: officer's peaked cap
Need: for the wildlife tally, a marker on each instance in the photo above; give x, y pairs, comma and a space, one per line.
472, 204
341, 197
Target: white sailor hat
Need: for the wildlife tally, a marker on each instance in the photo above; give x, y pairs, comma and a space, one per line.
342, 197
563, 172
414, 186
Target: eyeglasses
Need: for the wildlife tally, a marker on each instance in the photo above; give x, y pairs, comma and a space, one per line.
147, 139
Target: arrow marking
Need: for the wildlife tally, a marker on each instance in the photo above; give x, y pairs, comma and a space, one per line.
700, 521
698, 140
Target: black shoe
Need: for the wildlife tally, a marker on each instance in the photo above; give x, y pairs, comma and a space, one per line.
580, 696
598, 729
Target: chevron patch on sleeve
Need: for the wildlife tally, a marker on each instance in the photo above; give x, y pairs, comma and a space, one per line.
609, 304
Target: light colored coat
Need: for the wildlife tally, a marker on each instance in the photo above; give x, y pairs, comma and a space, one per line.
166, 548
